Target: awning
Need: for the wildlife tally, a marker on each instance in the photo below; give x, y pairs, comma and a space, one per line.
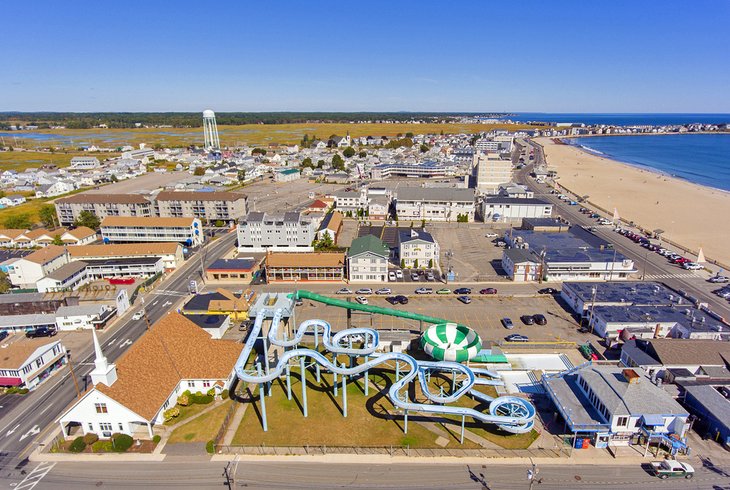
10, 381
652, 420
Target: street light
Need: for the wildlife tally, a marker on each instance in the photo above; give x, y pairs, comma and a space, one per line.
449, 255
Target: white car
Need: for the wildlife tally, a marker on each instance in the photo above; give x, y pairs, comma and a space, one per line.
364, 291
138, 315
344, 291
424, 291
491, 235
692, 266
391, 276
399, 274
383, 291
362, 300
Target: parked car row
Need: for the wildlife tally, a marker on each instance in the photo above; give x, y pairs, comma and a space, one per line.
672, 257
538, 319
723, 292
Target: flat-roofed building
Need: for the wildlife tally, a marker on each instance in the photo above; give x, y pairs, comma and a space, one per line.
69, 208
303, 266
434, 204
514, 208
211, 206
26, 363
492, 171
127, 229
171, 253
581, 296
232, 270
83, 316
291, 231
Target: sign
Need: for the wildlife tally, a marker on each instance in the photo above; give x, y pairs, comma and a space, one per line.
122, 300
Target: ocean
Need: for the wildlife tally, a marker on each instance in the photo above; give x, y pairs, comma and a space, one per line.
699, 158
622, 119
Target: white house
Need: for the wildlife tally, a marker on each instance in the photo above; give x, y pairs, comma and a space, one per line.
26, 363
10, 201
367, 260
434, 203
26, 271
83, 316
174, 356
521, 265
417, 248
56, 189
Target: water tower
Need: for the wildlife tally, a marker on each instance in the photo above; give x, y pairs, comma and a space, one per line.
210, 131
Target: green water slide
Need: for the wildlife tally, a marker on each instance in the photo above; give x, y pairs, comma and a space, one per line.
351, 305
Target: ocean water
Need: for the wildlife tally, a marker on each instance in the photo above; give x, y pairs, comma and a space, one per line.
623, 119
700, 158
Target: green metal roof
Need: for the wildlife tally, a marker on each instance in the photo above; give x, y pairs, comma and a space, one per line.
368, 243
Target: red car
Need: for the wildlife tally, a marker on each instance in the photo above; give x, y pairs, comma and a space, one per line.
488, 291
680, 261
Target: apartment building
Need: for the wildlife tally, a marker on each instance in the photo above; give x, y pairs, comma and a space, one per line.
434, 203
26, 271
491, 172
102, 205
212, 206
28, 362
417, 248
367, 260
128, 229
259, 232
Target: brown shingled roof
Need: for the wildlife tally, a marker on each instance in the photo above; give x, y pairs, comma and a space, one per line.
198, 196
81, 232
122, 249
11, 233
104, 199
16, 353
691, 351
174, 349
46, 254
145, 221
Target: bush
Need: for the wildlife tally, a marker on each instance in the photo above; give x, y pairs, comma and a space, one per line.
183, 400
200, 398
170, 413
210, 447
224, 394
121, 442
22, 391
102, 446
211, 392
77, 446
12, 390
156, 439
90, 438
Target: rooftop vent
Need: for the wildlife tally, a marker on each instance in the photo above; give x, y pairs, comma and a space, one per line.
631, 376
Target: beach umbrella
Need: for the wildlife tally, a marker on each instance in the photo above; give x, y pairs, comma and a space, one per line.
700, 256
615, 214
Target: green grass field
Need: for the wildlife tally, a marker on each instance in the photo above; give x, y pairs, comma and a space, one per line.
203, 428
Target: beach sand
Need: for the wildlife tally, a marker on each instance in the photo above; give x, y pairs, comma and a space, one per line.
691, 215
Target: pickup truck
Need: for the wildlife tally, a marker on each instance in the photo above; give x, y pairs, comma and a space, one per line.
670, 467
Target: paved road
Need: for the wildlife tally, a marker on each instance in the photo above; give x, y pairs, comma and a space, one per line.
29, 419
207, 475
652, 265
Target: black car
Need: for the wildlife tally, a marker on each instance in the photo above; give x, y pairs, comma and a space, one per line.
462, 291
527, 319
3, 335
548, 291
401, 299
40, 332
540, 319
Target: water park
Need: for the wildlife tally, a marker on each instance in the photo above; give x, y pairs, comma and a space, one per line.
441, 379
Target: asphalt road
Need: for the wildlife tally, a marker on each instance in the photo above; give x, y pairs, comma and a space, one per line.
288, 475
29, 420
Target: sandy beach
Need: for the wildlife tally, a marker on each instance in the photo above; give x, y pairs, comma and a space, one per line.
692, 215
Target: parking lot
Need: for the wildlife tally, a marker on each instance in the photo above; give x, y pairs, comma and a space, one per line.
474, 257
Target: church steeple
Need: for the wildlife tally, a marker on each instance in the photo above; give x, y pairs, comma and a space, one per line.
103, 371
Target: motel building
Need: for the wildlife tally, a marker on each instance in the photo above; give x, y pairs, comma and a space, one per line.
305, 266
130, 229
26, 363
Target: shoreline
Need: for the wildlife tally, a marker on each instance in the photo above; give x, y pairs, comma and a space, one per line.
597, 153
690, 214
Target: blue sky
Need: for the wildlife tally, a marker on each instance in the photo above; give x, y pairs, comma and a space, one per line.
568, 56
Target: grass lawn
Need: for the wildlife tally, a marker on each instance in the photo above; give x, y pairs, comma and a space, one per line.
187, 412
203, 428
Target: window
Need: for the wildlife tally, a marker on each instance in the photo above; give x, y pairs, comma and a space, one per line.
121, 427
91, 426
100, 408
105, 427
622, 421
206, 383
191, 384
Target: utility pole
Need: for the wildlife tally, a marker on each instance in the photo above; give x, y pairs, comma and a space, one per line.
594, 290
230, 480
73, 375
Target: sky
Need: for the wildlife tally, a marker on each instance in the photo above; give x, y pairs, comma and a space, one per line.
470, 56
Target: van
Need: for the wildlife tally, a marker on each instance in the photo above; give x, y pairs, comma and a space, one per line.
391, 276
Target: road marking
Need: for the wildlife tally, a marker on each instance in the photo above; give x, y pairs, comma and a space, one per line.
124, 344
34, 477
688, 275
12, 430
166, 303
155, 302
35, 430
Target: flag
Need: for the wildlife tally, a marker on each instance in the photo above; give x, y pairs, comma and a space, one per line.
700, 256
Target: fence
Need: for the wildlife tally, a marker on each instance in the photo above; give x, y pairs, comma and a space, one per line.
145, 283
226, 422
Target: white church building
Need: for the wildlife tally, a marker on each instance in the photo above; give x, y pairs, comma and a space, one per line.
130, 397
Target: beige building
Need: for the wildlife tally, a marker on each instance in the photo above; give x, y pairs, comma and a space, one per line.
171, 253
102, 205
213, 206
128, 229
491, 171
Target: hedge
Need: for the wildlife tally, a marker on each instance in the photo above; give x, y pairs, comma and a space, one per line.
210, 447
90, 438
121, 442
77, 446
224, 394
157, 439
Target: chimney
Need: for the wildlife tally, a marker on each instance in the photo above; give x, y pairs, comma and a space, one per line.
103, 372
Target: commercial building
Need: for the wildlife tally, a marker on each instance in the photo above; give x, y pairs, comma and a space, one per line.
492, 171
664, 358
367, 260
214, 325
232, 270
84, 163
69, 208
412, 170
66, 278
418, 248
303, 266
172, 357
127, 229
26, 363
170, 253
581, 296
220, 302
84, 316
291, 231
434, 204
351, 201
617, 406
514, 209
211, 206
711, 404
287, 175
32, 303
521, 265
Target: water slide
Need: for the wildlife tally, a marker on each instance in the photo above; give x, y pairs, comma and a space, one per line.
511, 414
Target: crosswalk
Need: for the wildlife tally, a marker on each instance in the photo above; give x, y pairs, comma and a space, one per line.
163, 292
34, 477
684, 275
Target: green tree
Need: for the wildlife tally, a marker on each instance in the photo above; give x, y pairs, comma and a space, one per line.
415, 264
349, 152
114, 178
18, 222
409, 135
57, 240
402, 263
219, 223
199, 171
337, 162
423, 223
47, 215
307, 162
241, 176
4, 283
325, 243
362, 154
424, 148
88, 219
430, 263
258, 151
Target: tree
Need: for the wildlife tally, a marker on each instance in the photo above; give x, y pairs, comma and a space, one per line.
362, 154
199, 171
409, 135
18, 222
88, 219
258, 151
349, 152
47, 215
57, 240
325, 243
424, 148
307, 162
415, 264
423, 223
4, 283
320, 163
114, 178
241, 176
337, 162
402, 263
430, 263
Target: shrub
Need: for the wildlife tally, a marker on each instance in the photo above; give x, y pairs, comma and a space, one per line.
11, 390
224, 394
200, 398
210, 447
183, 400
156, 439
121, 442
102, 446
22, 391
90, 438
170, 413
77, 446
211, 392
